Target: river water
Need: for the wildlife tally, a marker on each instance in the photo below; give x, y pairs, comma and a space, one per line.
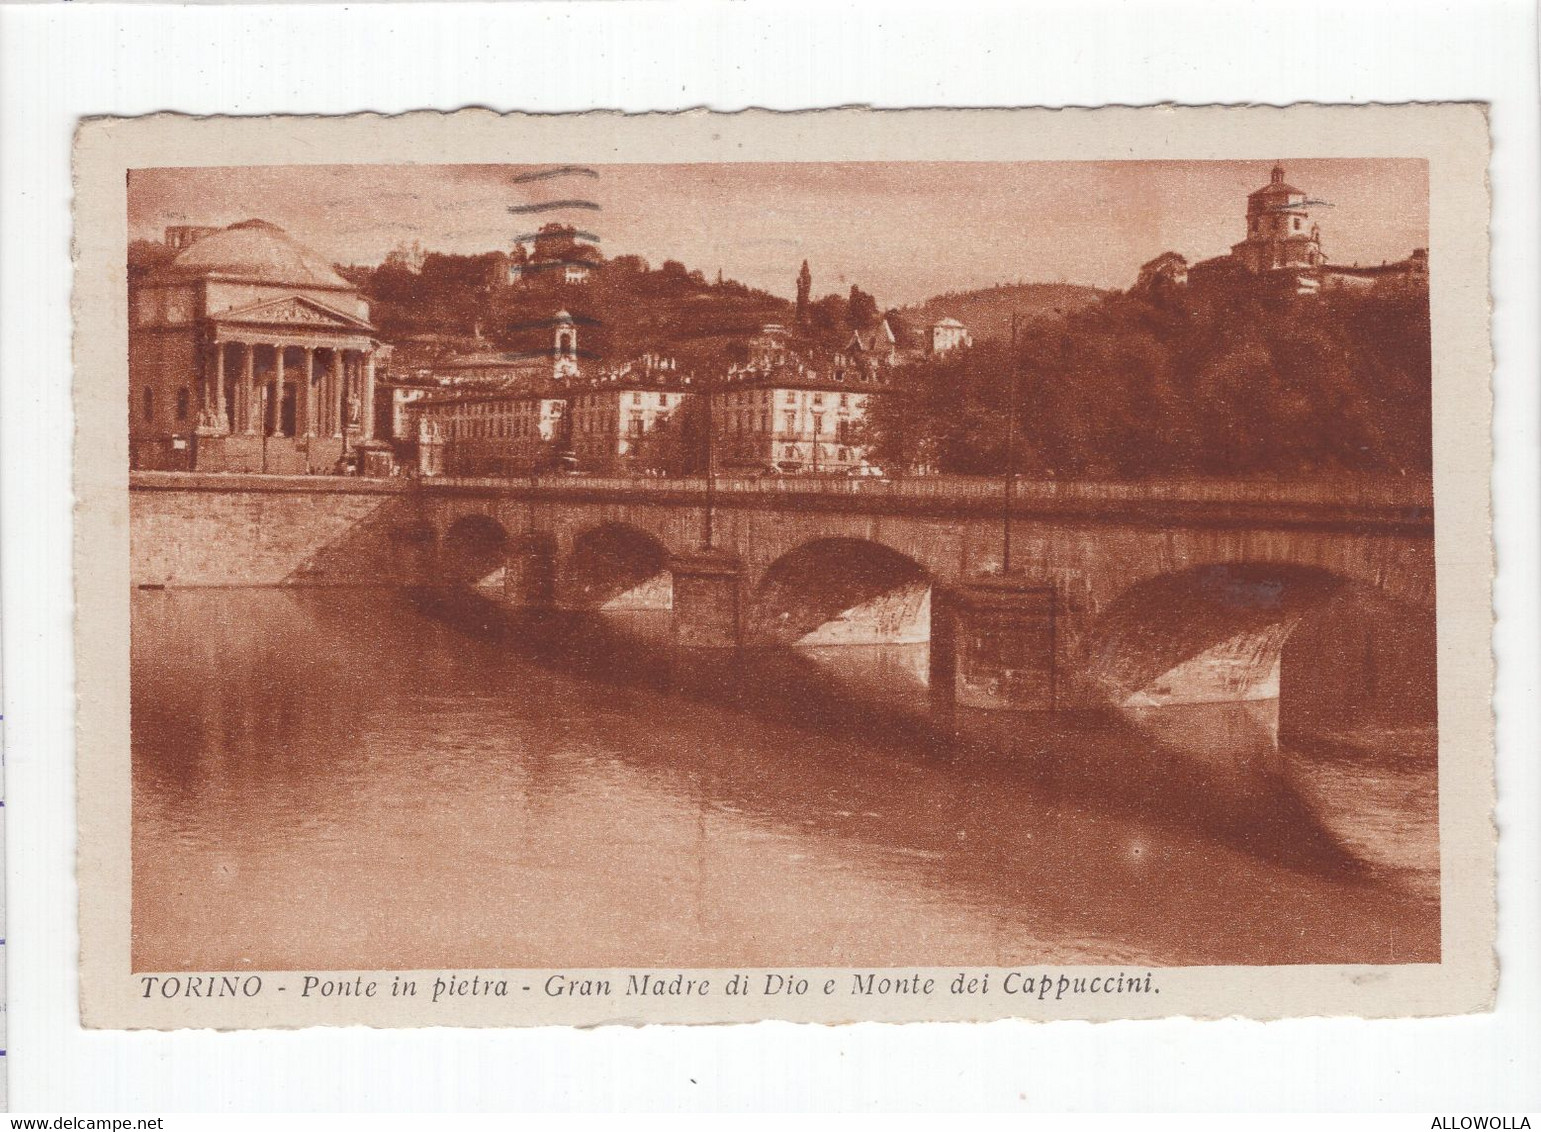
354, 779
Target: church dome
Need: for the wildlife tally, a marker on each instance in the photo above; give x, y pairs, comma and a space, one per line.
261, 252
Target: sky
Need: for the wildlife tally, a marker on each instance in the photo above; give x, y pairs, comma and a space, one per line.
904, 231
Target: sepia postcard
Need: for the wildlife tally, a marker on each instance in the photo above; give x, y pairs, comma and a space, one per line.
836, 566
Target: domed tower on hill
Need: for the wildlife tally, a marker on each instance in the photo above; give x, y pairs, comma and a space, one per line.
1280, 235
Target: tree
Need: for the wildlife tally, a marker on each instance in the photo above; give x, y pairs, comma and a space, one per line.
861, 309
804, 289
628, 265
827, 316
1181, 384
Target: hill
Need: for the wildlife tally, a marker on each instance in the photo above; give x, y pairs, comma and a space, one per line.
1235, 381
622, 307
987, 312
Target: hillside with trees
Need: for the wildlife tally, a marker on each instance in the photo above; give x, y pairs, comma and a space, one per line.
987, 312
1180, 383
624, 306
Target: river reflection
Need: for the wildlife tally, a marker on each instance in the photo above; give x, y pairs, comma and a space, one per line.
358, 779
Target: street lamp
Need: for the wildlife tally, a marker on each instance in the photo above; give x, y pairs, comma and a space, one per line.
711, 463
1012, 376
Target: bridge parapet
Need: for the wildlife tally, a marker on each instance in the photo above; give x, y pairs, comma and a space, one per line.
1379, 501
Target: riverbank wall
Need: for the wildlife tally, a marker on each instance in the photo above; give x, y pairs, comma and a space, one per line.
191, 529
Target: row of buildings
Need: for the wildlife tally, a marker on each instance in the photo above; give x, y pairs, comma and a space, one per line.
787, 408
248, 352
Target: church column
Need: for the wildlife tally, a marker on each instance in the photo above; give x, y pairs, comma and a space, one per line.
246, 408
276, 406
369, 396
213, 376
337, 398
323, 402
205, 386
304, 423
220, 421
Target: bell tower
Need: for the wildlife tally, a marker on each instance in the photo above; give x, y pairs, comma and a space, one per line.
564, 346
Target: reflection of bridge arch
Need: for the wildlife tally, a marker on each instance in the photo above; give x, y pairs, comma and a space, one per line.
616, 566
472, 550
1314, 643
841, 591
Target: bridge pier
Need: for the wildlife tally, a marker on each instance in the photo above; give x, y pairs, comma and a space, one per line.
529, 573
993, 644
706, 600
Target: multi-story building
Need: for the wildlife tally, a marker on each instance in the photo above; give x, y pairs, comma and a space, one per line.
633, 418
1409, 275
892, 341
947, 334
556, 249
511, 432
494, 413
779, 411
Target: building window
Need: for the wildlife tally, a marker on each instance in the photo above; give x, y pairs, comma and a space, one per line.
789, 452
818, 398
636, 398
149, 403
790, 421
845, 400
818, 424
183, 401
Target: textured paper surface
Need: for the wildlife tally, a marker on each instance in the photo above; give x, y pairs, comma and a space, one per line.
117, 993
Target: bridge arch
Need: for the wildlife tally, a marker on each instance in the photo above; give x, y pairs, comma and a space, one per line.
473, 549
1310, 647
616, 566
840, 591
1400, 565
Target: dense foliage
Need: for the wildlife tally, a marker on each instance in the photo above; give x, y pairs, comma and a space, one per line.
1179, 383
624, 308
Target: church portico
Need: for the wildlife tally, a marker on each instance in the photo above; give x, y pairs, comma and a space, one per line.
281, 356
309, 394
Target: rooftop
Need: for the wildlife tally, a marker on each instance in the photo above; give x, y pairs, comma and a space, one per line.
259, 251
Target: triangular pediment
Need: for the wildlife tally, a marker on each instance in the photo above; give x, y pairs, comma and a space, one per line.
293, 310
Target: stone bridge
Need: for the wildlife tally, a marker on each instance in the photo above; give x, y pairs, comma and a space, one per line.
1139, 596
